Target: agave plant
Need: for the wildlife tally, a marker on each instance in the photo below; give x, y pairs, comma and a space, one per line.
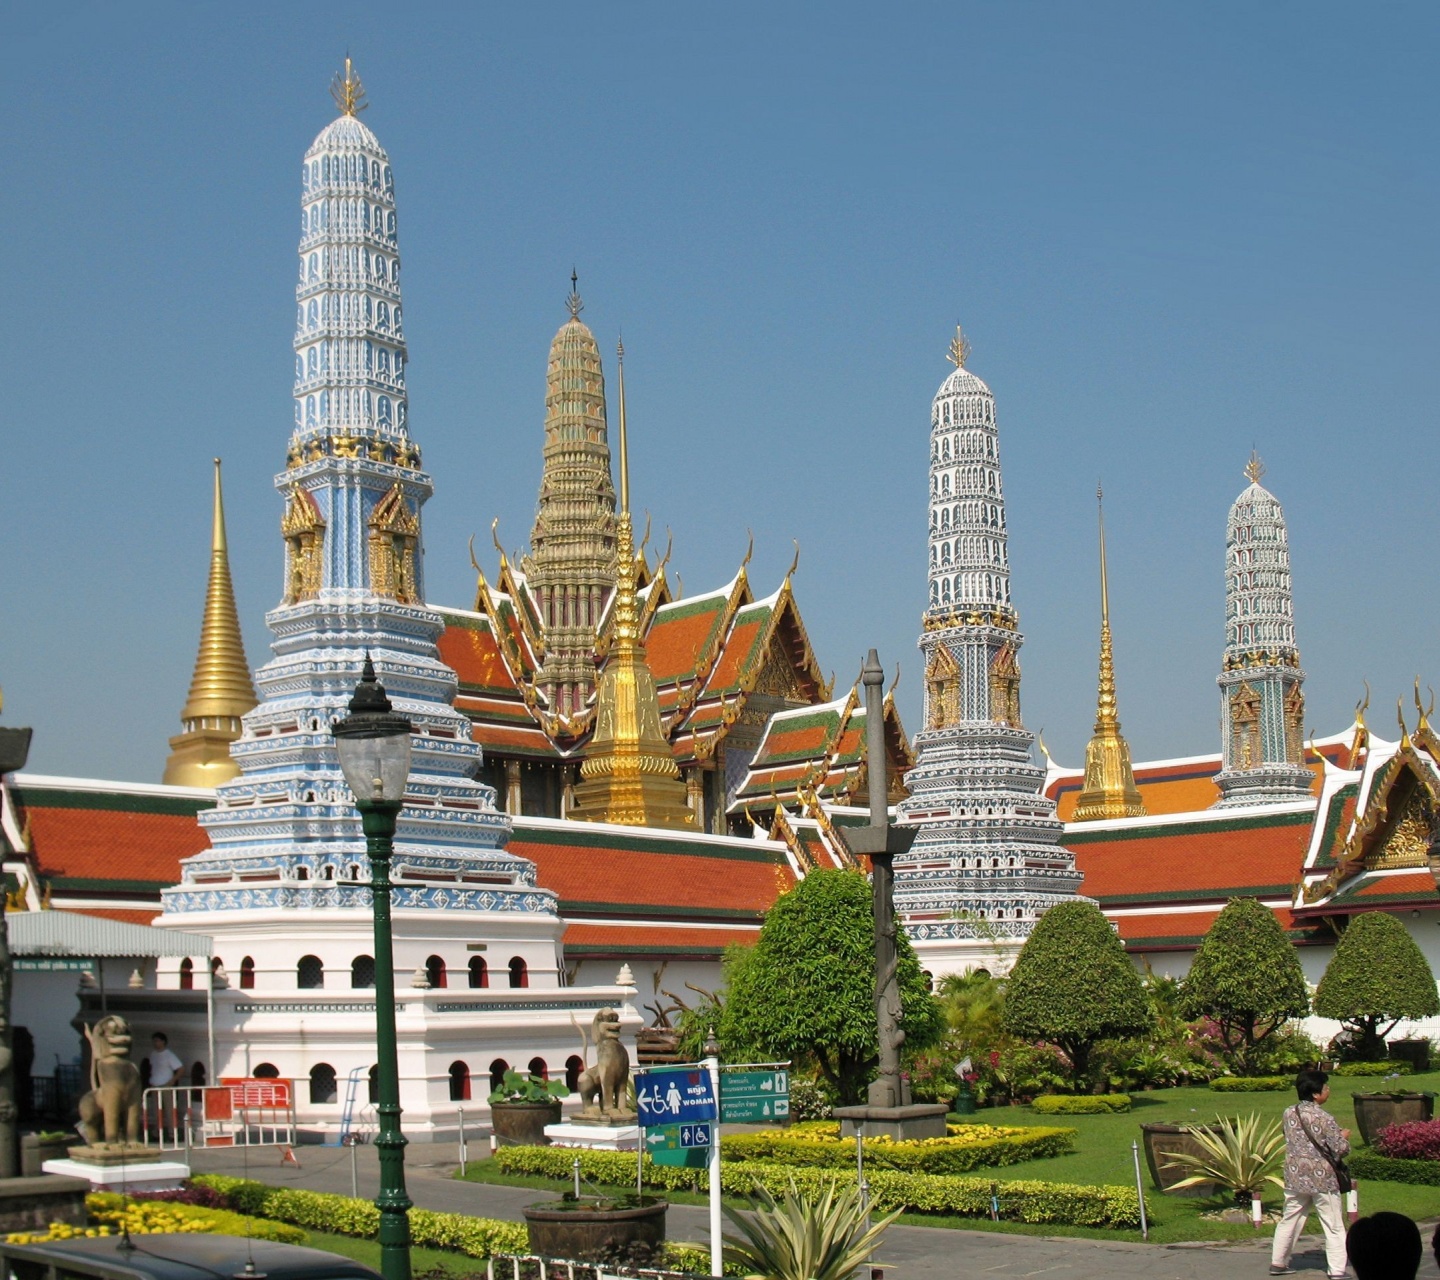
1240, 1153
803, 1238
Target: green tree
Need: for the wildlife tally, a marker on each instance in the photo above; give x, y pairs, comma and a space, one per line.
806, 989
1377, 975
1073, 985
1246, 977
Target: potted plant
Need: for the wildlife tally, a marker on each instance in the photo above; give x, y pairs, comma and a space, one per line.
521, 1108
628, 1230
1240, 1154
1376, 1111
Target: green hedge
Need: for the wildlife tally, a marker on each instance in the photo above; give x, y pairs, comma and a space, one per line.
321, 1211
1252, 1084
1372, 1069
1080, 1104
1364, 1164
1053, 1202
151, 1216
958, 1153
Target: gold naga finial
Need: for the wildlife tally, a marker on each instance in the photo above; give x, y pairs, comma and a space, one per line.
1040, 742
895, 683
495, 538
1400, 716
1362, 707
959, 349
795, 563
576, 306
348, 92
1254, 469
1425, 712
749, 550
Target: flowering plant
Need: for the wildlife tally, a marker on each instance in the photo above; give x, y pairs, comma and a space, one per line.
1418, 1140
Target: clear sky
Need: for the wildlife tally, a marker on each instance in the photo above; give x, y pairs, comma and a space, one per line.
1171, 232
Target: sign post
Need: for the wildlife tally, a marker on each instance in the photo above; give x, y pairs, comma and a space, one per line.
679, 1113
717, 1263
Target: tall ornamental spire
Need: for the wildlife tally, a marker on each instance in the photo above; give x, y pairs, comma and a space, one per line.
571, 565
989, 840
1262, 708
1109, 790
629, 775
220, 690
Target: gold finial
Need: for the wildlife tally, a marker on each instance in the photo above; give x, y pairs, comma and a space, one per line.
1400, 716
795, 563
573, 301
1104, 575
1362, 707
624, 441
959, 349
348, 92
1254, 469
1425, 712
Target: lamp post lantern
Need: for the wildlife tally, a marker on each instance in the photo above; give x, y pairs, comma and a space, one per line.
373, 744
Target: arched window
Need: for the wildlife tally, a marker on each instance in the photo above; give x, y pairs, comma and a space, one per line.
362, 972
498, 1068
574, 1065
539, 1069
479, 972
519, 974
247, 973
435, 971
459, 1082
266, 1071
372, 1083
309, 973
217, 968
187, 974
322, 1084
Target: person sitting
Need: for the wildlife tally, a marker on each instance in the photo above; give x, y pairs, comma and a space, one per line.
1385, 1246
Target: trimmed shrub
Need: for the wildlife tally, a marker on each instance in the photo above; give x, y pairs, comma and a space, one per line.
1418, 1140
1065, 1104
971, 1146
1251, 1084
321, 1211
1052, 1202
1392, 1068
148, 1217
1377, 978
1366, 1164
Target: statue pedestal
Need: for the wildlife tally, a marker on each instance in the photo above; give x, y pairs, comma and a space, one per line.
599, 1137
915, 1120
127, 1175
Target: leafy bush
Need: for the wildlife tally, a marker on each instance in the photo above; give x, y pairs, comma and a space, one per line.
1285, 1053
1376, 978
321, 1211
1252, 1084
1023, 1071
804, 1237
1241, 1153
1055, 1202
1366, 1164
1098, 1104
517, 1088
971, 1146
809, 1100
148, 1217
206, 1197
1371, 1069
1418, 1140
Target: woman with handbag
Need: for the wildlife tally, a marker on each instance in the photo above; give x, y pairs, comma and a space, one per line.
1315, 1176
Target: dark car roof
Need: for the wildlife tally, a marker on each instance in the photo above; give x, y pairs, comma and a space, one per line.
191, 1256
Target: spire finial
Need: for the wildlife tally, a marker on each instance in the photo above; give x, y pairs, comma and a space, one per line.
1254, 469
959, 348
1104, 573
624, 441
348, 92
573, 301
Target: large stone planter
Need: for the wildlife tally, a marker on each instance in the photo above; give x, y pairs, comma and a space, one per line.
1376, 1111
1161, 1141
631, 1230
522, 1124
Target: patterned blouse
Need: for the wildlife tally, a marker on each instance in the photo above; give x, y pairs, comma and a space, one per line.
1307, 1172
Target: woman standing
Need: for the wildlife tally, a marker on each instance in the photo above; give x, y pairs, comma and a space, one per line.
1315, 1149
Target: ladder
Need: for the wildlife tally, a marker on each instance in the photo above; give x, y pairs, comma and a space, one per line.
347, 1115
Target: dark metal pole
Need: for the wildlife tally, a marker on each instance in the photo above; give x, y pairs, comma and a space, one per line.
378, 817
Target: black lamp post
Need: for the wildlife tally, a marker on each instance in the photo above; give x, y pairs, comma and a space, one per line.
373, 744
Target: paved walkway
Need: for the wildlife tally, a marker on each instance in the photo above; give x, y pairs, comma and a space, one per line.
909, 1253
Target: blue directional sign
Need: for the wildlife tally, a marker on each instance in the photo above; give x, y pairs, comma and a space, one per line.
694, 1135
665, 1097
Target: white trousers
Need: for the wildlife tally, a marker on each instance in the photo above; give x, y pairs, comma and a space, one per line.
1329, 1207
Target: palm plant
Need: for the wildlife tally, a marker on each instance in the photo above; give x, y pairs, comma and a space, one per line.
803, 1238
1240, 1153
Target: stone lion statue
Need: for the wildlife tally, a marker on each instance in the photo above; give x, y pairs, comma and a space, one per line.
602, 1087
110, 1112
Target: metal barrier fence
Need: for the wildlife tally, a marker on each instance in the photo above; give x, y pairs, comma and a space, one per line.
234, 1113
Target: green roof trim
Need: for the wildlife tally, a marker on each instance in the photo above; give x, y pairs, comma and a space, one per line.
1193, 895
110, 801
1332, 822
1302, 818
680, 915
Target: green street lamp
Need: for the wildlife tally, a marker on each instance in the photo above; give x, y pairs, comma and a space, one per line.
373, 744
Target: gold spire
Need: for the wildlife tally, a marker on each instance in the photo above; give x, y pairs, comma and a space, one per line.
629, 775
959, 349
1254, 469
221, 690
1110, 790
348, 92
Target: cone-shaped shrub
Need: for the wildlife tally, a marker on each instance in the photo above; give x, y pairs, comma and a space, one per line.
1376, 978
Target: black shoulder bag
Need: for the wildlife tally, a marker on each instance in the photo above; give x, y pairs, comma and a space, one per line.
1343, 1178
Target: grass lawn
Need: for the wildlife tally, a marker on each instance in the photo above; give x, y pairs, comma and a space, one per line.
422, 1261
1103, 1155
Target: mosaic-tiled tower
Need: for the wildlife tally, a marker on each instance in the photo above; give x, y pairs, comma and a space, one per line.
987, 861
285, 834
1262, 708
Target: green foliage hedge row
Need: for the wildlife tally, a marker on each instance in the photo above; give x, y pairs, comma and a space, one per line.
1372, 1069
952, 1155
1364, 1164
321, 1211
1080, 1104
1251, 1084
150, 1216
1053, 1202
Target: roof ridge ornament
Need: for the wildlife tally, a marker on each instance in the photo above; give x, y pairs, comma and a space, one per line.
348, 92
574, 303
959, 348
1254, 469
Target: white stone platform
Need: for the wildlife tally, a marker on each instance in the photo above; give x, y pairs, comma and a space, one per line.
598, 1137
152, 1175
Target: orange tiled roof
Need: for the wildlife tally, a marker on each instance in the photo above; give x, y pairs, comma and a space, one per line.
1184, 930
468, 647
600, 940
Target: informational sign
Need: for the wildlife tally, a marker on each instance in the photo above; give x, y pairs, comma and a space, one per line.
665, 1097
680, 1145
751, 1097
51, 964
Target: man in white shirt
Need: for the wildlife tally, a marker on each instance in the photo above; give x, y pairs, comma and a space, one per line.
165, 1068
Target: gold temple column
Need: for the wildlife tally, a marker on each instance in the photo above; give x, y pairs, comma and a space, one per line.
512, 788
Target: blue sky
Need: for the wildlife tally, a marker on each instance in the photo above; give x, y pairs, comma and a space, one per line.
1171, 233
